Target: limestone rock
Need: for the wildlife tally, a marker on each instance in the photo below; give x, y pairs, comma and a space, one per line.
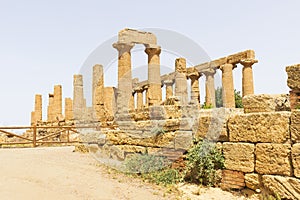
285, 187
120, 152
295, 125
95, 137
212, 124
259, 127
239, 156
273, 159
266, 103
252, 181
296, 159
183, 139
293, 73
232, 180
145, 138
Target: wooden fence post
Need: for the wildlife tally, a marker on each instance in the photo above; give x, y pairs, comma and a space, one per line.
34, 136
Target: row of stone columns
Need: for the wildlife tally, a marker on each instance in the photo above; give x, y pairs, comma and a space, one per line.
227, 84
227, 81
125, 100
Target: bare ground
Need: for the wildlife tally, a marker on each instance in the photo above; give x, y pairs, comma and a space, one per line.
60, 173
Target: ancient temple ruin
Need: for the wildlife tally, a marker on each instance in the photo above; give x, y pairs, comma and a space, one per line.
127, 100
260, 143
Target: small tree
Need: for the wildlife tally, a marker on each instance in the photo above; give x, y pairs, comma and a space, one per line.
237, 98
219, 99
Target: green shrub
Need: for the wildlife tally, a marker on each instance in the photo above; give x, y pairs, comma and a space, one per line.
203, 161
165, 177
205, 106
144, 163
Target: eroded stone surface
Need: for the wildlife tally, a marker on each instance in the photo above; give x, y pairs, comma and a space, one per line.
295, 125
252, 181
273, 159
293, 73
296, 159
183, 139
285, 187
266, 103
239, 156
259, 127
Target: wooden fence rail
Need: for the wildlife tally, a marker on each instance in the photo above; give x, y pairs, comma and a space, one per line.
35, 140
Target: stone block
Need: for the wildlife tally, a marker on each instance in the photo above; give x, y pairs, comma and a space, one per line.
93, 137
239, 156
259, 127
295, 125
266, 103
145, 138
172, 112
296, 159
232, 180
183, 139
293, 73
285, 187
212, 124
273, 159
252, 181
135, 36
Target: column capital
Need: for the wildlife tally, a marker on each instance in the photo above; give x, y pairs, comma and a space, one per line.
152, 50
248, 62
123, 47
227, 66
168, 82
194, 75
209, 72
138, 89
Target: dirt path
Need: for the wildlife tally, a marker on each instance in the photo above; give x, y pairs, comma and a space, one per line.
59, 173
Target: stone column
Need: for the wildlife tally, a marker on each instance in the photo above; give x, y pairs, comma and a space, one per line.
154, 91
169, 88
210, 94
57, 102
110, 102
247, 80
139, 100
50, 109
78, 97
181, 81
68, 109
98, 93
38, 108
124, 77
146, 89
195, 92
227, 86
132, 104
33, 119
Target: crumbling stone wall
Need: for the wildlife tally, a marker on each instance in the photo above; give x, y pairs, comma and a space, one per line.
261, 146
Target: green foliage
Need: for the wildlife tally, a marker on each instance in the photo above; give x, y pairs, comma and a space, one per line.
144, 163
219, 99
205, 106
297, 106
203, 161
238, 99
270, 197
165, 177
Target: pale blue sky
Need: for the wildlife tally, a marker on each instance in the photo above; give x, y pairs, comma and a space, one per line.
44, 43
